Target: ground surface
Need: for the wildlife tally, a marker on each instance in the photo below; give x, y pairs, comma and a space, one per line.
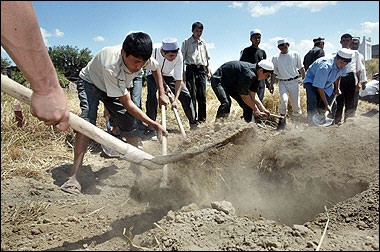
259, 189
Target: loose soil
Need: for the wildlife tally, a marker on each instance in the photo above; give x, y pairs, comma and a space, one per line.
312, 188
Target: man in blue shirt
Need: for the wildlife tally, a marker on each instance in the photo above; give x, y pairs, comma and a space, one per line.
320, 78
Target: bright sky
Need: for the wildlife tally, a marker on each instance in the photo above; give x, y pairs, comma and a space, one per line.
96, 24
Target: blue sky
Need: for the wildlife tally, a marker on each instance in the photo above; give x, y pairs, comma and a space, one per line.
94, 25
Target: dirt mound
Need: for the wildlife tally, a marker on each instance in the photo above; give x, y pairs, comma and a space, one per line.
247, 188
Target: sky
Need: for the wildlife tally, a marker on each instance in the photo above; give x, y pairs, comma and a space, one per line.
227, 24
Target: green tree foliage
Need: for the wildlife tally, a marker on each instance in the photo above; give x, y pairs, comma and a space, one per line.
5, 62
371, 67
19, 78
69, 60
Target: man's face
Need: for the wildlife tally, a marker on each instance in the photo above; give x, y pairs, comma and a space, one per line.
345, 42
261, 75
354, 45
256, 39
341, 63
197, 33
170, 56
283, 48
133, 64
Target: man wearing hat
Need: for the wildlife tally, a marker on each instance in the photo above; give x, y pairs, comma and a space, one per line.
349, 83
254, 54
287, 68
322, 81
315, 53
240, 80
170, 61
354, 45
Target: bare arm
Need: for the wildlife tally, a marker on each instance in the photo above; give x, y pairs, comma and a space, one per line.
21, 38
131, 107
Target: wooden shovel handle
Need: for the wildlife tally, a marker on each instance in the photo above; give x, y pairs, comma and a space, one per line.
129, 152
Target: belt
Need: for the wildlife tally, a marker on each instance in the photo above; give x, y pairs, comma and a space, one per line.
195, 66
289, 79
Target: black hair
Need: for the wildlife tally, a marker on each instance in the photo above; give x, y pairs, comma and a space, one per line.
197, 25
346, 35
139, 45
264, 70
170, 51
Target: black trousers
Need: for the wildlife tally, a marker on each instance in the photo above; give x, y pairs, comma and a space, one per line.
346, 101
196, 84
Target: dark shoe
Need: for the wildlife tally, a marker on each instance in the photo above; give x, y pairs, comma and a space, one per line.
194, 126
281, 124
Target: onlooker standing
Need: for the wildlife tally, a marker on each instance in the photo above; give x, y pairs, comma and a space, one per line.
22, 40
348, 83
315, 53
322, 82
196, 58
170, 61
287, 69
240, 80
108, 78
363, 75
254, 54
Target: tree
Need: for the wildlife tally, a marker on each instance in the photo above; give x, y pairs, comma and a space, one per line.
69, 60
5, 62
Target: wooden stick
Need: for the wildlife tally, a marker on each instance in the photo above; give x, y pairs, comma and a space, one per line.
177, 115
129, 152
164, 180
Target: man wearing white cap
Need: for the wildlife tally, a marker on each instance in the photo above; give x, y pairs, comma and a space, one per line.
170, 61
287, 68
322, 81
349, 83
240, 80
254, 54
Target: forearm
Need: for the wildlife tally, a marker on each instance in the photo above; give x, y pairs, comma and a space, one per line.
19, 27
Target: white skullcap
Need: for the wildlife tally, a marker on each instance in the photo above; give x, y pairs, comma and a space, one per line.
255, 31
345, 53
266, 64
170, 44
282, 41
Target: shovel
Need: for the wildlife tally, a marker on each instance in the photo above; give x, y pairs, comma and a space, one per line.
126, 151
176, 114
323, 120
164, 180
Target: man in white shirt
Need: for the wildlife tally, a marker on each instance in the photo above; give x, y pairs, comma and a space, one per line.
108, 78
170, 61
348, 84
287, 68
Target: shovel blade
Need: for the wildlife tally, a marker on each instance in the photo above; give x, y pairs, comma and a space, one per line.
322, 120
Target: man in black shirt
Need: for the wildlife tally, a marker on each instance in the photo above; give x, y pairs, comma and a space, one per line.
254, 54
240, 80
315, 53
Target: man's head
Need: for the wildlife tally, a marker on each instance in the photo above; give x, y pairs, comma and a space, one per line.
264, 68
197, 29
283, 45
137, 49
355, 43
343, 57
345, 40
320, 42
255, 37
169, 48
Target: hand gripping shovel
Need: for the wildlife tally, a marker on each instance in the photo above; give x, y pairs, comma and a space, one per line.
322, 119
